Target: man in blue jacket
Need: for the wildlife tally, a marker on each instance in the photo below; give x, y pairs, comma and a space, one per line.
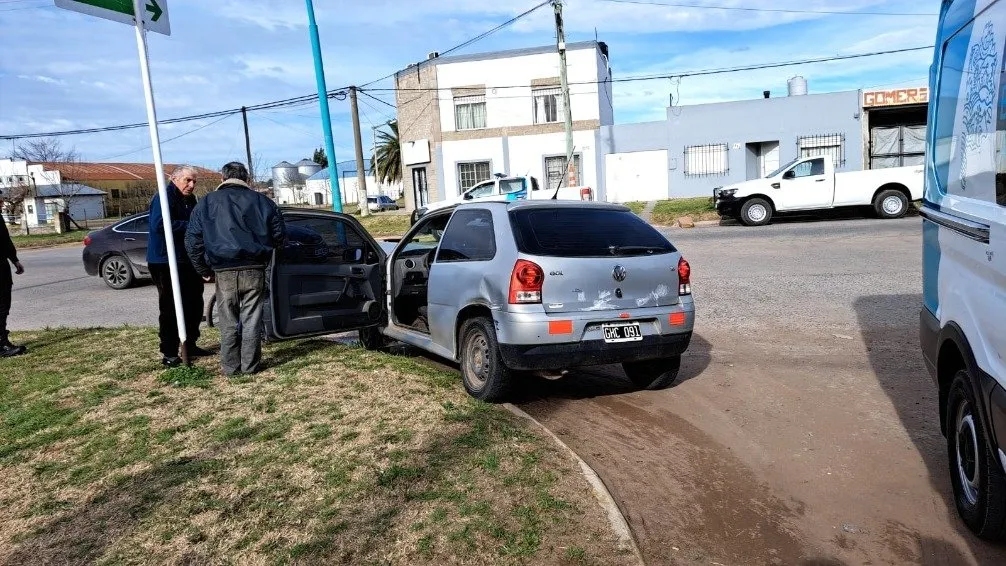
181, 201
8, 255
231, 236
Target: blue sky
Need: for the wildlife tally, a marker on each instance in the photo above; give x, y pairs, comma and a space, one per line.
60, 70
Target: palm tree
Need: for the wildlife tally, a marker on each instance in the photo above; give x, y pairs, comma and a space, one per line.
387, 161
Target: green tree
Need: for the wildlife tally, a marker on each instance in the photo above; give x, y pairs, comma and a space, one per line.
388, 159
320, 158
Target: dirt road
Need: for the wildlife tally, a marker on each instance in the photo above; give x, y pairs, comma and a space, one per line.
803, 429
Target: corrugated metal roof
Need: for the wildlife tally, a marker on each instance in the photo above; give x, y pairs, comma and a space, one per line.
68, 189
117, 171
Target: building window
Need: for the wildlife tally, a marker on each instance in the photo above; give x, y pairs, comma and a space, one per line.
547, 104
555, 171
705, 160
470, 112
830, 145
471, 174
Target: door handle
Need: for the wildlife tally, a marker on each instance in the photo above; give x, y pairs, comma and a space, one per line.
819, 181
129, 239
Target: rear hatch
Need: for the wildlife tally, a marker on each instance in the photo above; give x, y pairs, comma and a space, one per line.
597, 258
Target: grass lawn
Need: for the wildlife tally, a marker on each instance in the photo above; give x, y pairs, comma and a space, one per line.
385, 224
333, 454
667, 212
47, 240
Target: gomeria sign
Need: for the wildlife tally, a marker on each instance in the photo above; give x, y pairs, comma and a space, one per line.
896, 97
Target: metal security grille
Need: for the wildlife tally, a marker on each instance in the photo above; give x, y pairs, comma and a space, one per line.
831, 145
470, 174
547, 104
555, 170
704, 160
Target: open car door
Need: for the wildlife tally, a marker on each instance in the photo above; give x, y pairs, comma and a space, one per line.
328, 277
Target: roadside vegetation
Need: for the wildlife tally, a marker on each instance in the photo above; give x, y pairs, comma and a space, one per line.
47, 240
333, 454
667, 212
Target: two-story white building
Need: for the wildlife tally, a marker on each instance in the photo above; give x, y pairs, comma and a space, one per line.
463, 118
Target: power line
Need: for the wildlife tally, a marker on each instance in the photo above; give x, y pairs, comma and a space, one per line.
773, 10
217, 121
696, 73
475, 39
378, 99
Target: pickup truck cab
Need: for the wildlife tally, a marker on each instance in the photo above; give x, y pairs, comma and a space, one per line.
503, 188
810, 183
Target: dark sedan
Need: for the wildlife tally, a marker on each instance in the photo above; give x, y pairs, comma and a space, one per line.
118, 253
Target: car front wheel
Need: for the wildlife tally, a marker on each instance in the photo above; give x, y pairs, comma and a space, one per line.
483, 372
975, 472
116, 272
756, 212
653, 374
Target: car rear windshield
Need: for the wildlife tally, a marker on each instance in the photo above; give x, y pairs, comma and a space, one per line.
585, 232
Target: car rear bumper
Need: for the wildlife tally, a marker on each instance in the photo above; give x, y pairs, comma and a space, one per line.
91, 261
592, 352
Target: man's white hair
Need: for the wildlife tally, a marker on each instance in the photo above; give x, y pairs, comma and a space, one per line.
178, 172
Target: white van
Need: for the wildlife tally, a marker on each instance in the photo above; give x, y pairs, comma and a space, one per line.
963, 326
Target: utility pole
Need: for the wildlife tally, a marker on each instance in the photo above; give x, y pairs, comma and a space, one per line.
326, 120
361, 173
567, 111
251, 168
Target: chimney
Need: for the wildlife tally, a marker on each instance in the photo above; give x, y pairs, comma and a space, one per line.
767, 93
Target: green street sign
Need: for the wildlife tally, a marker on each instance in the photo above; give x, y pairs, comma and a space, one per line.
155, 13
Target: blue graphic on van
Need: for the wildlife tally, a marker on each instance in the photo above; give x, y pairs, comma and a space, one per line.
981, 94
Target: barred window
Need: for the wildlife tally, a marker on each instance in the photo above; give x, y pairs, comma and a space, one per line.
471, 174
547, 104
830, 145
555, 171
703, 160
470, 112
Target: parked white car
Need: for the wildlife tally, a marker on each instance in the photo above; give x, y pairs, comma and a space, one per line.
502, 188
810, 183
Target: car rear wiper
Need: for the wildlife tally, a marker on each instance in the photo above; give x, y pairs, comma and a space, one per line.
622, 250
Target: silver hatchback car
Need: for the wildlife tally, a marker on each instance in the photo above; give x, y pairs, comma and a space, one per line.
499, 287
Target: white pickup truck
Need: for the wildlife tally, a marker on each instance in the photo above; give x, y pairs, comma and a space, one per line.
508, 188
810, 183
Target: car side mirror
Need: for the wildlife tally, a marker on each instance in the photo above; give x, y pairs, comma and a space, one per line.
468, 196
791, 174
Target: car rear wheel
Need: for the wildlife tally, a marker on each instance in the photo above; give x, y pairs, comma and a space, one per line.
483, 372
116, 272
975, 472
372, 339
756, 212
890, 204
653, 374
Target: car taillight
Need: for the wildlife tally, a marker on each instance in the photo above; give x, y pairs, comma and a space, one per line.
684, 277
87, 240
525, 283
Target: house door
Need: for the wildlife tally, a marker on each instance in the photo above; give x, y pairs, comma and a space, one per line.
768, 157
420, 189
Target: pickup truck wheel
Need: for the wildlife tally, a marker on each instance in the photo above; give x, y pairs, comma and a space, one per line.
483, 372
976, 475
756, 212
653, 374
890, 204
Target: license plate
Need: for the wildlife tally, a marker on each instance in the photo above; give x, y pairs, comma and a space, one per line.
624, 332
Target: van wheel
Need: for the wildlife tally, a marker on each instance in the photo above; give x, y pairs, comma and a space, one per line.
756, 212
653, 374
116, 272
372, 339
976, 473
485, 376
890, 204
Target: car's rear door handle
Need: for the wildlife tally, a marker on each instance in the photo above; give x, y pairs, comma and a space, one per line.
129, 239
819, 181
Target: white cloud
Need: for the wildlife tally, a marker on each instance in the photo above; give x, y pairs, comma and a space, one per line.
42, 79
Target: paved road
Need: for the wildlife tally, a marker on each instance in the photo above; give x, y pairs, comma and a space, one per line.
804, 427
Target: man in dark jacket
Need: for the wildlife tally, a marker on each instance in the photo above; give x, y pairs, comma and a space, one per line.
231, 236
9, 255
181, 202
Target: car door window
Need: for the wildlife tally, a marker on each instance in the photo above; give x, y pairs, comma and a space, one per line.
139, 225
426, 236
483, 190
512, 186
314, 240
469, 237
812, 168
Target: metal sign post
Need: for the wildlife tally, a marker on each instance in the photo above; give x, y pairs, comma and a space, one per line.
162, 191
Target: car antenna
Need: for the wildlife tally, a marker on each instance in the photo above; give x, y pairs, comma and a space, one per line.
569, 158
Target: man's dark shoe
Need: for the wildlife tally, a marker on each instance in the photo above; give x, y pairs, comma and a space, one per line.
197, 352
9, 350
171, 361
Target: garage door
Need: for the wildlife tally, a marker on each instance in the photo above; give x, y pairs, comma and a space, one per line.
636, 176
897, 146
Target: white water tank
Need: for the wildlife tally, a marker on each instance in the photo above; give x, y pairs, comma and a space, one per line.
284, 174
797, 86
306, 168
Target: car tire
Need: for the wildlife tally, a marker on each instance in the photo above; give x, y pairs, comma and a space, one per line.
653, 374
116, 272
890, 204
975, 472
483, 372
756, 212
372, 339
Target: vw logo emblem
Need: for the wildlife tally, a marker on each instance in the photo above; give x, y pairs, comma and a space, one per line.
618, 273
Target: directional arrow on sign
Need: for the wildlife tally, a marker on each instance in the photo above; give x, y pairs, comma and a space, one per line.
155, 16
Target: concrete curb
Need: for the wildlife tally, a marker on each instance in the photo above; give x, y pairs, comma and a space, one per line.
615, 517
